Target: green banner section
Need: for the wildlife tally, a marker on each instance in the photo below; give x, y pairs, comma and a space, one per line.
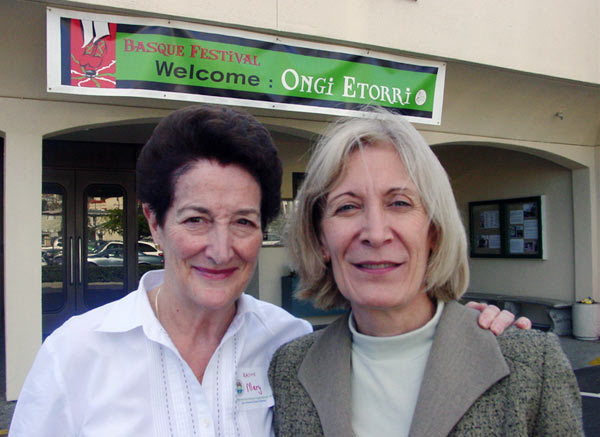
182, 61
110, 55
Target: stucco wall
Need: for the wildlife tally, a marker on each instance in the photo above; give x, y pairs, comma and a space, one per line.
549, 37
478, 100
294, 153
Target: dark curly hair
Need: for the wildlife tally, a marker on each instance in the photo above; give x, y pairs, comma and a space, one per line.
207, 132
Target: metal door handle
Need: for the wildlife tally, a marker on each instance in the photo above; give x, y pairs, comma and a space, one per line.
71, 265
80, 254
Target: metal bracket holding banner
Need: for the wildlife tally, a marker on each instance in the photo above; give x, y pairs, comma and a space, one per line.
109, 55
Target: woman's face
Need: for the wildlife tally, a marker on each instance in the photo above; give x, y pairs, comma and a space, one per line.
376, 232
211, 235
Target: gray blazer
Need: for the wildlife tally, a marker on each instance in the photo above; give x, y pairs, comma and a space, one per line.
518, 384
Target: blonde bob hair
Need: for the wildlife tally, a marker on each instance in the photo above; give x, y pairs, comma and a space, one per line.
447, 273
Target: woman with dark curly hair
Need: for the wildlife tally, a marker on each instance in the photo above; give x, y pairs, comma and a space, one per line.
186, 353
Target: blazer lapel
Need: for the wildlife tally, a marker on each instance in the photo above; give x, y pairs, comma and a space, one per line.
325, 374
463, 363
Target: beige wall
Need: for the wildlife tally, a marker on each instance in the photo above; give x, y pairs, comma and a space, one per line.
549, 37
273, 264
294, 153
487, 173
478, 100
501, 104
22, 276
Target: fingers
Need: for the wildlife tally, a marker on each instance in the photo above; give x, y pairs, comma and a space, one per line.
497, 321
502, 322
523, 323
488, 315
476, 305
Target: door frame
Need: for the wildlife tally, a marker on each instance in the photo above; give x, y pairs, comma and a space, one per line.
75, 183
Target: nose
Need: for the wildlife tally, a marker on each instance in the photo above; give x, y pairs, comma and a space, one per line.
219, 248
376, 230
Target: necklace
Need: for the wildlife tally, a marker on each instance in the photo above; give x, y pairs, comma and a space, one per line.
156, 303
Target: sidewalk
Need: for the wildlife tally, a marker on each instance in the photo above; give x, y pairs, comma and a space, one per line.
581, 353
585, 360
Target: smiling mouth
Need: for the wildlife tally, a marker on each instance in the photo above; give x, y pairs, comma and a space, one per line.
216, 273
376, 266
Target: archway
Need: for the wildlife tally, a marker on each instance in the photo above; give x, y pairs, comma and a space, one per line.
480, 172
92, 252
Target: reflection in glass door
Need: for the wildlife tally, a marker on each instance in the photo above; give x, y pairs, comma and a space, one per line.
53, 230
88, 247
105, 220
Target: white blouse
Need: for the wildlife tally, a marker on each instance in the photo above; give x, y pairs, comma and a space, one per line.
115, 372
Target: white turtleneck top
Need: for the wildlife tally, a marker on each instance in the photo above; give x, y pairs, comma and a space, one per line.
386, 378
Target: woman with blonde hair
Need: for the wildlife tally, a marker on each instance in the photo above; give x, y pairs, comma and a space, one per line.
377, 230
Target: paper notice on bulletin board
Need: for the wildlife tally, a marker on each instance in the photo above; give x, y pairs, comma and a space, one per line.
517, 245
531, 230
494, 242
516, 216
490, 219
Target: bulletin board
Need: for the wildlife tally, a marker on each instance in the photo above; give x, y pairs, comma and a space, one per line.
507, 228
486, 239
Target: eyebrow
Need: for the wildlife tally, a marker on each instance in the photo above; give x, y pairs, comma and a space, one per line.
203, 210
248, 211
392, 190
345, 193
402, 190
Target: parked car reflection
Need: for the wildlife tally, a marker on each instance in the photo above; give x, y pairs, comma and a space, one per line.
112, 256
52, 256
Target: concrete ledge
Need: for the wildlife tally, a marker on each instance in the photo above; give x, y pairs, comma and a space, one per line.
558, 311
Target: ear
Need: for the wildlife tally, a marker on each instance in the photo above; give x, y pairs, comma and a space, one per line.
152, 223
326, 256
432, 237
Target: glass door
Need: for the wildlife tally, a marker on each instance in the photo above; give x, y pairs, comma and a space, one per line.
89, 231
54, 276
105, 268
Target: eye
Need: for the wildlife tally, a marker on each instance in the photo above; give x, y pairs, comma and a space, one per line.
194, 220
246, 222
345, 208
400, 203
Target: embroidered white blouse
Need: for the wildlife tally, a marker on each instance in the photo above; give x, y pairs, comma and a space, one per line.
115, 372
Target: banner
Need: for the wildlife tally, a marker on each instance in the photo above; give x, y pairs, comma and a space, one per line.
106, 55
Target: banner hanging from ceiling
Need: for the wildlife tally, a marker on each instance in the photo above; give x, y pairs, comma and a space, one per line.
109, 55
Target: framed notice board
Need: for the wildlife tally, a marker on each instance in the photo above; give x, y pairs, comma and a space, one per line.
507, 228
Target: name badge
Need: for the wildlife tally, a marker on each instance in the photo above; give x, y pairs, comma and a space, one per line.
252, 388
